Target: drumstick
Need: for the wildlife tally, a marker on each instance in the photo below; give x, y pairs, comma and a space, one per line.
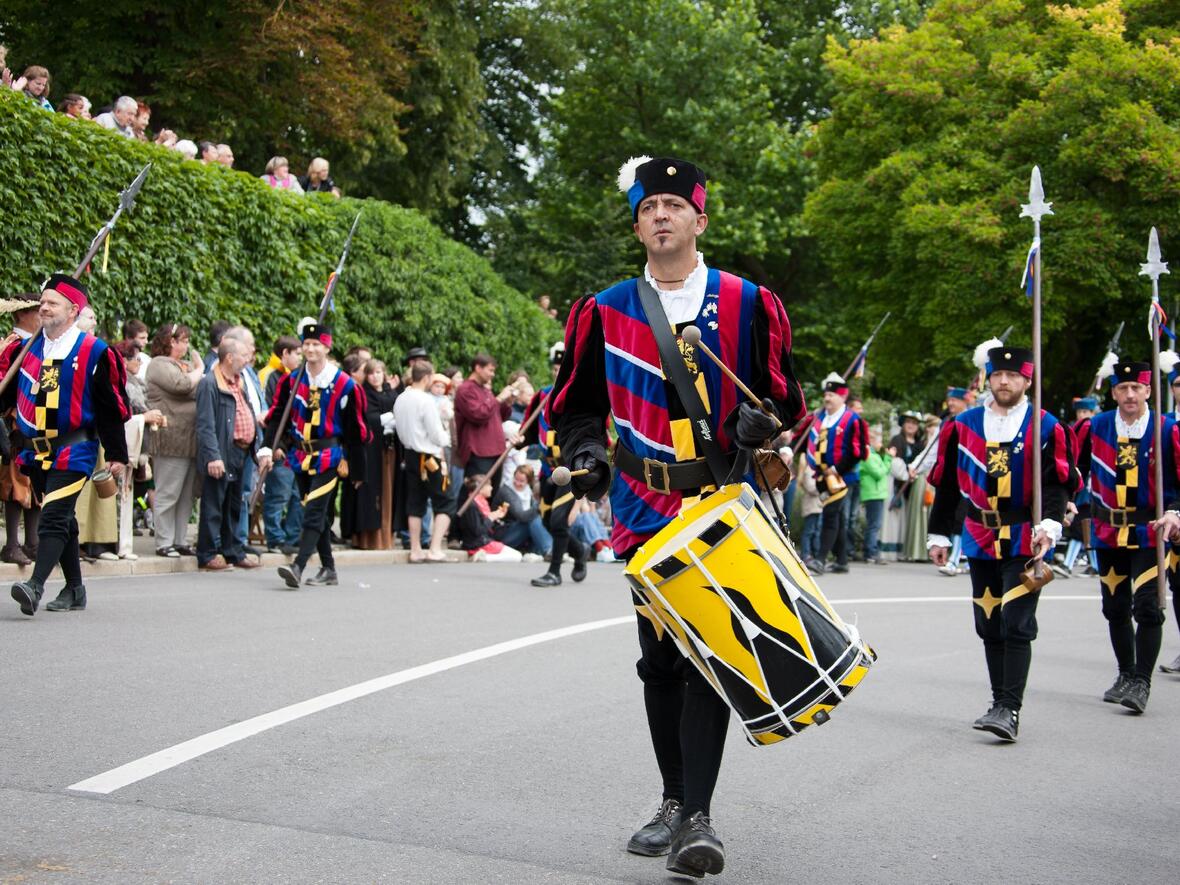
692, 337
562, 475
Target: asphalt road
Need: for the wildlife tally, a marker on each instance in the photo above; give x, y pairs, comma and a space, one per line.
533, 765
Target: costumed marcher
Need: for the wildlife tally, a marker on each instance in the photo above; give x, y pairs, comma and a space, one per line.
556, 501
985, 456
613, 367
1118, 458
836, 444
16, 490
1170, 365
70, 394
1078, 530
324, 441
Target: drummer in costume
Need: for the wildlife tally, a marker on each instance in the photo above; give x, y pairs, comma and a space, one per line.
1118, 459
613, 367
836, 444
1078, 532
325, 442
556, 501
984, 456
70, 395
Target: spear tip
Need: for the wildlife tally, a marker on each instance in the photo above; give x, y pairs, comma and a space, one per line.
1154, 266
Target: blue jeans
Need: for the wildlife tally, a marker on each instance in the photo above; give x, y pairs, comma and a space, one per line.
589, 529
809, 541
874, 515
279, 493
249, 480
529, 536
851, 509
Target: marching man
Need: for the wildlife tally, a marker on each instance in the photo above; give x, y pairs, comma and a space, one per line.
985, 456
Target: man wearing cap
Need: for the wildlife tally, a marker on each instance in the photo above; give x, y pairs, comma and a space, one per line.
15, 487
613, 368
986, 456
415, 355
556, 501
1078, 531
324, 439
1118, 459
70, 394
836, 444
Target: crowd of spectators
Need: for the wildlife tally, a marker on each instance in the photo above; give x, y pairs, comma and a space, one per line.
132, 119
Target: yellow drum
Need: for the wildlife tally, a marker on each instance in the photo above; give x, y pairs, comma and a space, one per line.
731, 590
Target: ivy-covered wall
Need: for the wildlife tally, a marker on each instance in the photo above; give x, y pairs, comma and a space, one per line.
206, 243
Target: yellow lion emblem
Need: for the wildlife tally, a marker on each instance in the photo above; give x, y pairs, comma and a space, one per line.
313, 400
50, 378
1128, 455
997, 462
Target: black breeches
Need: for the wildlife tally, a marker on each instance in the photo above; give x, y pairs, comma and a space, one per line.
556, 502
318, 491
833, 536
57, 531
1129, 593
1006, 620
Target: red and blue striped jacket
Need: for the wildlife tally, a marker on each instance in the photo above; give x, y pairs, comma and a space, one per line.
612, 366
334, 410
845, 443
998, 476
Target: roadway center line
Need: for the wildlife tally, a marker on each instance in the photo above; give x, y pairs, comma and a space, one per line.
147, 766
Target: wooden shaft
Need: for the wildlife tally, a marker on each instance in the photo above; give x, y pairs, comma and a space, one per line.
528, 422
1161, 580
1039, 565
738, 382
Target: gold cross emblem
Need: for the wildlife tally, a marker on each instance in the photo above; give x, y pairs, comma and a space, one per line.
1128, 455
997, 462
50, 377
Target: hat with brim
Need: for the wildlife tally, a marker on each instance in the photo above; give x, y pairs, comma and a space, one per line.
911, 414
13, 305
415, 353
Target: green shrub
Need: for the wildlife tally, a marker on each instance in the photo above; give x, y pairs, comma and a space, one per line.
206, 243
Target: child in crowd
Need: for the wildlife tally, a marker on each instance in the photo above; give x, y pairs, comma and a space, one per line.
479, 520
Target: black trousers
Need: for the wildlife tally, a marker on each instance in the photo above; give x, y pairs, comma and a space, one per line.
833, 536
318, 490
686, 717
556, 503
1006, 621
1128, 577
221, 511
57, 532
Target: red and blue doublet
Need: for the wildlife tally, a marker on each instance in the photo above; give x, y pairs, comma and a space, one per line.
998, 477
333, 412
1121, 472
842, 446
84, 391
542, 433
612, 366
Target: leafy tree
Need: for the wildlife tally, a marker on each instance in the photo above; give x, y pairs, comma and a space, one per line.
926, 158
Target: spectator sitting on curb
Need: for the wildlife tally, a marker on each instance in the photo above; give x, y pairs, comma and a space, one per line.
521, 526
120, 117
479, 520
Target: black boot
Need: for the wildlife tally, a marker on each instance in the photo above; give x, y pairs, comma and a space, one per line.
579, 572
324, 577
991, 711
28, 594
71, 599
695, 849
549, 579
654, 837
1001, 722
1118, 691
292, 575
1135, 697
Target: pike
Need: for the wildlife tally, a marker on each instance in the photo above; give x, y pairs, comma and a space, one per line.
1111, 347
126, 201
326, 303
1153, 268
1035, 208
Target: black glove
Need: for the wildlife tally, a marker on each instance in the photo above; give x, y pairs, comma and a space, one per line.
754, 427
594, 484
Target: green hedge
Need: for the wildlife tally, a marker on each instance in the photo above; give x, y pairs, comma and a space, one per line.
206, 243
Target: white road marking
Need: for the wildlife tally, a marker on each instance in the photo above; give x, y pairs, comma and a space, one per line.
147, 766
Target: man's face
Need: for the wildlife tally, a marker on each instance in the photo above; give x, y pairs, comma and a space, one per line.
1008, 387
485, 374
225, 157
668, 224
856, 406
832, 401
1131, 397
141, 340
291, 359
314, 351
1081, 414
955, 406
232, 364
56, 310
124, 116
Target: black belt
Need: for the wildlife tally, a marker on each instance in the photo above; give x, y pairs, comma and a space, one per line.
309, 447
662, 477
1120, 517
45, 445
994, 519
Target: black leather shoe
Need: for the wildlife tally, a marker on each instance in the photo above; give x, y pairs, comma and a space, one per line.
1001, 722
695, 849
71, 599
547, 580
292, 575
654, 838
814, 566
28, 595
1173, 667
323, 578
991, 711
1135, 697
290, 549
838, 569
1116, 693
579, 572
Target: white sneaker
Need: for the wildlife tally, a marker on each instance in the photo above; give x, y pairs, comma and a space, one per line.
480, 556
949, 570
107, 556
532, 557
130, 557
605, 555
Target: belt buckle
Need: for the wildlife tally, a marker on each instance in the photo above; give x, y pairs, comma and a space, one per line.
650, 464
1120, 518
305, 446
990, 519
42, 445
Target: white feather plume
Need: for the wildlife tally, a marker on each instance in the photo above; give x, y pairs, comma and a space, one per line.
980, 357
1108, 364
1168, 360
627, 172
834, 378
